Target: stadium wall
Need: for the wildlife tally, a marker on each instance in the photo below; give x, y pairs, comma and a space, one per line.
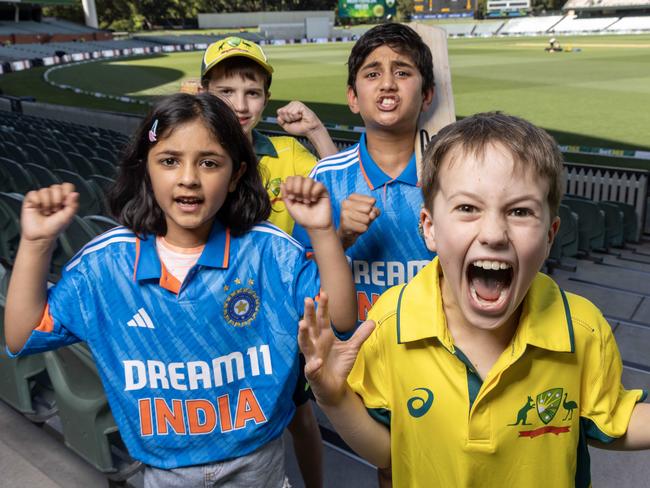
253, 19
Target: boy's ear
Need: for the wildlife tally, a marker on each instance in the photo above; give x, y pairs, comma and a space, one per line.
236, 177
552, 232
267, 97
353, 100
428, 230
427, 99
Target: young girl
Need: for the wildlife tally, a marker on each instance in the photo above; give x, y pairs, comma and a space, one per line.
191, 308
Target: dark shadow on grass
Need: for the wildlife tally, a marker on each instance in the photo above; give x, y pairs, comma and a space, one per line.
117, 79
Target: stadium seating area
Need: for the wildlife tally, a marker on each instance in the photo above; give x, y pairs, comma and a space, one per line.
458, 29
200, 39
52, 49
36, 50
631, 24
487, 28
38, 152
530, 25
49, 30
47, 26
570, 24
603, 4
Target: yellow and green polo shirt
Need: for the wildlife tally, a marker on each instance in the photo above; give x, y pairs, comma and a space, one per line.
525, 424
279, 157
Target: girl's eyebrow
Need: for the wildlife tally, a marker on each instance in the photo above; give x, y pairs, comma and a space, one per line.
171, 152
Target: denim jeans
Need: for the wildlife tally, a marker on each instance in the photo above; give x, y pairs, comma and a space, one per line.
263, 468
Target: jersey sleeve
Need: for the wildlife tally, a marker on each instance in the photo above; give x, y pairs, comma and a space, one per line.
368, 377
607, 405
303, 160
63, 320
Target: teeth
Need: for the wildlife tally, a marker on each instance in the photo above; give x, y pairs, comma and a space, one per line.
494, 265
387, 102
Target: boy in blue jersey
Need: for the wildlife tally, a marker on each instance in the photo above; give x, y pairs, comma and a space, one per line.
373, 185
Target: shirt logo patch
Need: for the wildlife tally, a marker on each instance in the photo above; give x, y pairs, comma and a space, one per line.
241, 307
546, 405
141, 319
274, 186
419, 405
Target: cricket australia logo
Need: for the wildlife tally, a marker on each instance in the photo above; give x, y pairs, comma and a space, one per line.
241, 307
274, 186
546, 405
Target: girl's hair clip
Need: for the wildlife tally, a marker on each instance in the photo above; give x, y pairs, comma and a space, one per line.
152, 131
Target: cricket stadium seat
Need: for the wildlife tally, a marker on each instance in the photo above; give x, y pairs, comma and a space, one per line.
614, 224
591, 224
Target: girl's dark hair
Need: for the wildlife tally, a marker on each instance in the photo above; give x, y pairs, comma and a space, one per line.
131, 199
402, 39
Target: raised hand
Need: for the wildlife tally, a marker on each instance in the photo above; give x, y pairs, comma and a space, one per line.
297, 119
48, 212
328, 361
357, 213
308, 202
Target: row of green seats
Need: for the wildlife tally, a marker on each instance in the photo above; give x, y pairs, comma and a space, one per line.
588, 226
64, 382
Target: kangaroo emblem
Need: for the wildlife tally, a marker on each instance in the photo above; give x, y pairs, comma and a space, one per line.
523, 413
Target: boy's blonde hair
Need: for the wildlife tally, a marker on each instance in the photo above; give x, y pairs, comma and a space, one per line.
530, 147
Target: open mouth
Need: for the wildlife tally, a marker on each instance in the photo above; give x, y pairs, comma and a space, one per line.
188, 203
489, 282
387, 103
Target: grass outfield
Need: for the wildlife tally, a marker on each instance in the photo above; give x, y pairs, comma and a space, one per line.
598, 96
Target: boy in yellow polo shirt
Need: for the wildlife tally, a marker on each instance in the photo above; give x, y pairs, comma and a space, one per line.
238, 71
481, 371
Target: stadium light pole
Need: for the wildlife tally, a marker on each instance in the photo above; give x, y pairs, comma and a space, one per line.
90, 13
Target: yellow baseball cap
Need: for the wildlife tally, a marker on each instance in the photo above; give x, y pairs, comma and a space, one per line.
233, 46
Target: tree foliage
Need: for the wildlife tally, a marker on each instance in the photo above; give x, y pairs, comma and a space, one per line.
145, 14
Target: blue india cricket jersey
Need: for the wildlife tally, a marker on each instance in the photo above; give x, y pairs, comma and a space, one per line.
392, 251
196, 372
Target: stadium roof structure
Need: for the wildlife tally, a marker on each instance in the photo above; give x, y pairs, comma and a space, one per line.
606, 4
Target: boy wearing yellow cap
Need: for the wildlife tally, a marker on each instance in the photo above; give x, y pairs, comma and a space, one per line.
238, 71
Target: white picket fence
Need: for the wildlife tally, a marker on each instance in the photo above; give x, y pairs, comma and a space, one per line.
616, 184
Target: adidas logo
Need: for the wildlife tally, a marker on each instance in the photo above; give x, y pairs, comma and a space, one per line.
141, 319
